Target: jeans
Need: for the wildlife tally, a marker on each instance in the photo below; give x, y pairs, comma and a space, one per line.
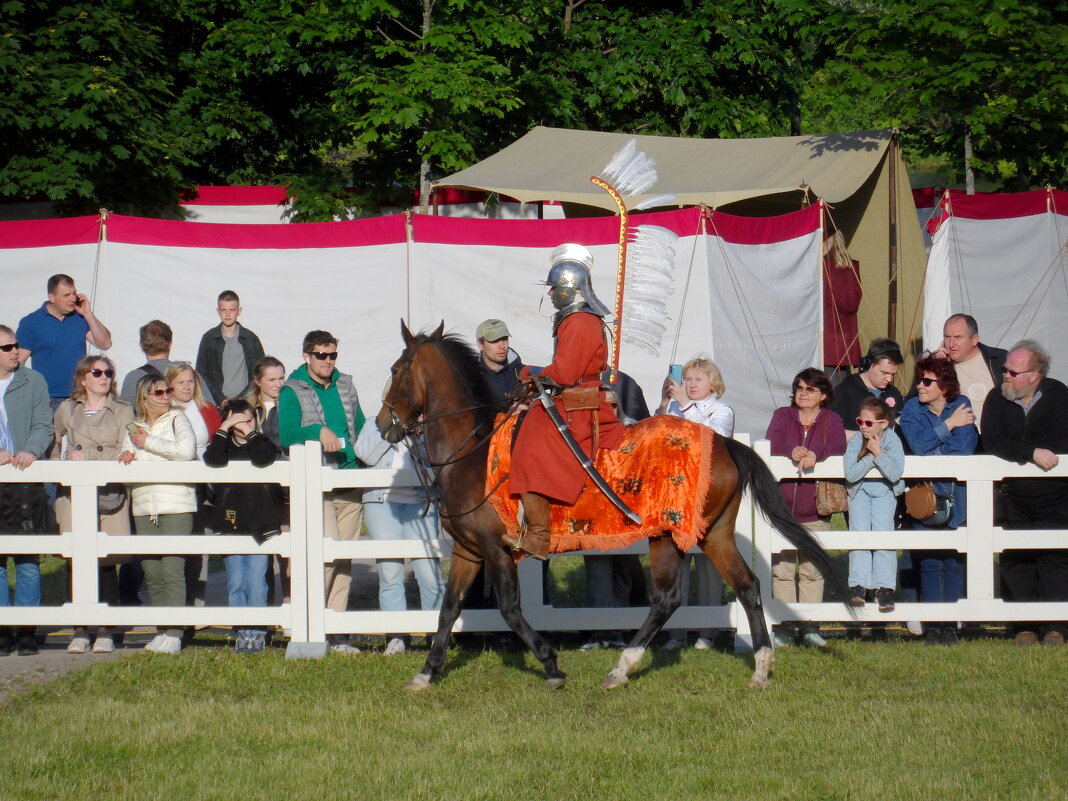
246, 584
873, 569
941, 576
27, 581
404, 521
872, 509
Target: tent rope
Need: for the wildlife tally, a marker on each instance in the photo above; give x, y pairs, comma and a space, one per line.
686, 285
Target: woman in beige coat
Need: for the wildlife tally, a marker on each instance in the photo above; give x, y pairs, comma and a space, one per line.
90, 426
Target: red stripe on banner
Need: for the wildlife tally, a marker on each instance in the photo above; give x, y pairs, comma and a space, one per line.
235, 196
175, 233
924, 198
998, 206
49, 233
543, 233
765, 230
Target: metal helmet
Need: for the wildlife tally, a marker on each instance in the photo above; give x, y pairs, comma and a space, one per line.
570, 279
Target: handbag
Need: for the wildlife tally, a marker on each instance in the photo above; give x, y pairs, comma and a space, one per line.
831, 498
24, 509
925, 506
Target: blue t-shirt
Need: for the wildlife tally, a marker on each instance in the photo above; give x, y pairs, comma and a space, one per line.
55, 346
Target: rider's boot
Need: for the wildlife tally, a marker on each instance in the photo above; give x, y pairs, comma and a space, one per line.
534, 538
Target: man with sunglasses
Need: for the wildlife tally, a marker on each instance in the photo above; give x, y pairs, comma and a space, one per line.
1024, 421
25, 437
55, 335
319, 402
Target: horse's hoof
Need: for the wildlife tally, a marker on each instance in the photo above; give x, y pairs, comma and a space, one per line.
556, 682
614, 682
418, 684
759, 684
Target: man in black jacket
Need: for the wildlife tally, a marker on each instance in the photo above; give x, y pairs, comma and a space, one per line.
500, 364
228, 352
1024, 421
978, 365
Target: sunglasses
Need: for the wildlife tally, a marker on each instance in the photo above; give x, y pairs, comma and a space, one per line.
323, 356
805, 390
9, 348
867, 423
1014, 373
161, 393
927, 381
96, 372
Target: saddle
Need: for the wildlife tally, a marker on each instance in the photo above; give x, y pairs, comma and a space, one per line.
662, 470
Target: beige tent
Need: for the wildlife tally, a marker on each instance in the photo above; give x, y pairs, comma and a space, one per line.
861, 177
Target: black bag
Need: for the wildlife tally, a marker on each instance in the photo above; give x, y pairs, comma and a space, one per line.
24, 509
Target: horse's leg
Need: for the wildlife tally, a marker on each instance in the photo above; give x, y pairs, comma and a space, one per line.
504, 574
719, 546
665, 561
462, 572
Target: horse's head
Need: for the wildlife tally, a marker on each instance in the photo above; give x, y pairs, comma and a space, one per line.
404, 399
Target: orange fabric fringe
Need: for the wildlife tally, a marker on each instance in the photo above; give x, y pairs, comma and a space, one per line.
662, 471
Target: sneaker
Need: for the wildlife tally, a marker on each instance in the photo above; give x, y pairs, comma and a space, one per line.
949, 637
1026, 638
813, 639
782, 639
27, 646
395, 646
5, 646
858, 596
933, 637
702, 644
915, 628
103, 644
1053, 638
339, 644
79, 645
617, 642
593, 645
241, 644
256, 645
884, 596
166, 645
674, 645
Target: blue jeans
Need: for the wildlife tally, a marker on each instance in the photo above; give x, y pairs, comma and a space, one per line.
27, 581
404, 521
872, 509
873, 569
941, 576
246, 584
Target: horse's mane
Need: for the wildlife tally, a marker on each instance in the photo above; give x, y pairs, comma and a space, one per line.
463, 359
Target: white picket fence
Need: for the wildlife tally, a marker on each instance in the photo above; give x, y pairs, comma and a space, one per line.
309, 621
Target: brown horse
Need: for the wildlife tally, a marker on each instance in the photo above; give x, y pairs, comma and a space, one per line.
437, 383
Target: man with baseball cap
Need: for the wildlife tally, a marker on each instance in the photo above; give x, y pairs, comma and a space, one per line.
499, 363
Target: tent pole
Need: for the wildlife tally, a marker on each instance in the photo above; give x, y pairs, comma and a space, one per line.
891, 287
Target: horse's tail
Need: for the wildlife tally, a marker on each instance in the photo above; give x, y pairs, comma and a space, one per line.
754, 474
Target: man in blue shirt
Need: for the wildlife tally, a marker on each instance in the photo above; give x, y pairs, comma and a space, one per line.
55, 335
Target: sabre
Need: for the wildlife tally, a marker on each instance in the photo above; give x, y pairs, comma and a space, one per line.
587, 464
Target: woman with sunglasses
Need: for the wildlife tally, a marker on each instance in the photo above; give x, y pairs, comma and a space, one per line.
806, 432
939, 420
161, 433
90, 426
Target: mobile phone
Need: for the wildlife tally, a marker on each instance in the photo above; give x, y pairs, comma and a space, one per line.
675, 373
132, 428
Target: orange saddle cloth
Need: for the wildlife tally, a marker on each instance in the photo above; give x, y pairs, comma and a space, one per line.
662, 471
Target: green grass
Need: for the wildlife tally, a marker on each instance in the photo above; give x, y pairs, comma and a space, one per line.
857, 721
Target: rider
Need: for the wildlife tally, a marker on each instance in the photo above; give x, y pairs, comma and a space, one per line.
543, 467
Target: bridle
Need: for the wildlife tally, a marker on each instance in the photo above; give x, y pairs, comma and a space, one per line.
426, 469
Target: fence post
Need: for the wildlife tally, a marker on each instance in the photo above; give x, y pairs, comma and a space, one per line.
308, 587
84, 550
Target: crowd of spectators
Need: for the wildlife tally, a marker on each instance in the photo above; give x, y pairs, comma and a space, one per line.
237, 404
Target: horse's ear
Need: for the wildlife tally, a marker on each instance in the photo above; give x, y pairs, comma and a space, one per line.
406, 335
439, 331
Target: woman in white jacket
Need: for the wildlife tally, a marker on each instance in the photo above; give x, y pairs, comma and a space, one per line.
161, 433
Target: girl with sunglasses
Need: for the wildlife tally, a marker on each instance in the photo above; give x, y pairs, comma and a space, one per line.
874, 462
161, 433
90, 426
939, 420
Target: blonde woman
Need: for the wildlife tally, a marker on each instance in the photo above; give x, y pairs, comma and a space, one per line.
186, 395
161, 433
90, 426
699, 398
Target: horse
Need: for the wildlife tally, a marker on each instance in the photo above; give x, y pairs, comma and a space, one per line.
437, 385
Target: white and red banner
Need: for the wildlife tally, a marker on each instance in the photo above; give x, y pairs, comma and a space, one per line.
747, 291
1002, 259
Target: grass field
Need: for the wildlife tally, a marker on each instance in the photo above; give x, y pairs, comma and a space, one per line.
857, 721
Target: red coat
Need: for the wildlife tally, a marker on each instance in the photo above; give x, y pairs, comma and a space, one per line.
541, 460
841, 302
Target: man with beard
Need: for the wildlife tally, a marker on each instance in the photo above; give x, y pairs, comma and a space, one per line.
500, 365
1024, 421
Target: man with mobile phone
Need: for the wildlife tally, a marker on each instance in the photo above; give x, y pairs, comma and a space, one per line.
55, 335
